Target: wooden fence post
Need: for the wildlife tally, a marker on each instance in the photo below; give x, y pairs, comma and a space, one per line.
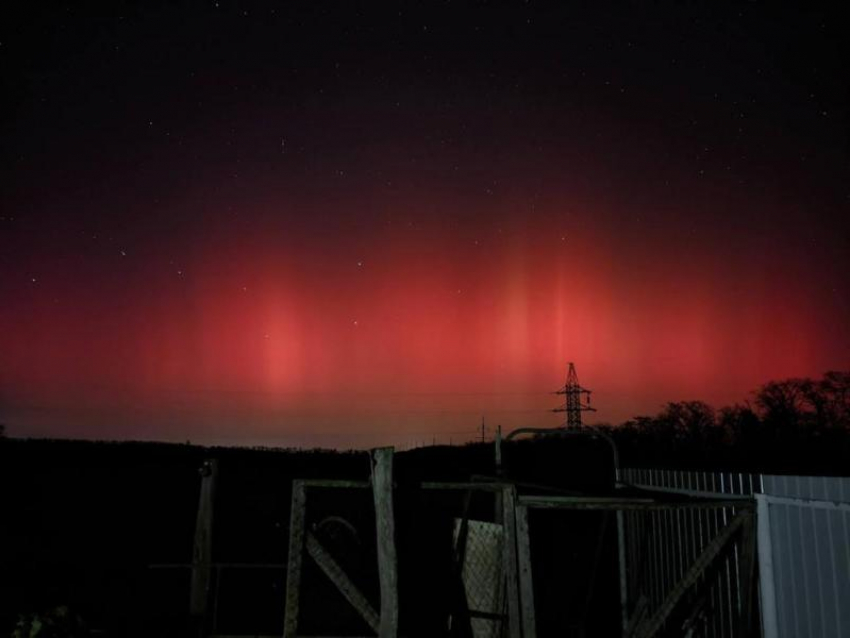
382, 491
526, 587
202, 549
510, 559
293, 569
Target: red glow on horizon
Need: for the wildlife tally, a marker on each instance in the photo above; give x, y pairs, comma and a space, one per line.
411, 329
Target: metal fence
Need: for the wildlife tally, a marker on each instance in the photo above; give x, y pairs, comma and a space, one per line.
803, 544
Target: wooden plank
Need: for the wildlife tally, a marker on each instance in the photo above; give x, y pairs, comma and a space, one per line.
274, 636
703, 561
483, 487
296, 548
335, 483
202, 548
622, 570
382, 491
338, 577
526, 585
510, 560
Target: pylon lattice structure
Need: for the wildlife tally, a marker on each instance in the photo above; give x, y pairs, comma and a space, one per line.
577, 400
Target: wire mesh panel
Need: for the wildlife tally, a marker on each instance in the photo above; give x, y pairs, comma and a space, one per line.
451, 561
482, 574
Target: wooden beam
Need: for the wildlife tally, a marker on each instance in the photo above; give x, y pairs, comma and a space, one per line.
296, 548
510, 560
335, 483
346, 586
382, 491
202, 548
526, 585
622, 571
481, 487
703, 561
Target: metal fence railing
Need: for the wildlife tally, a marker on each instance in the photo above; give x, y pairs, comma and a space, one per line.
803, 547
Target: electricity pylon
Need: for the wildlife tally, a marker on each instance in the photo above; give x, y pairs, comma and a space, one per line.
577, 400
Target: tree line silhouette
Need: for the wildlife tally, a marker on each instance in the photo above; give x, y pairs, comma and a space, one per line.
797, 425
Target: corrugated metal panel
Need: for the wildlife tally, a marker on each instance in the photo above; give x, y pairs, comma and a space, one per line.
809, 520
809, 544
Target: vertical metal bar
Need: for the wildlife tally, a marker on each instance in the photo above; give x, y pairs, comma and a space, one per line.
680, 520
677, 520
745, 585
670, 579
808, 590
736, 556
658, 594
845, 526
707, 533
833, 562
788, 554
694, 530
382, 492
769, 624
720, 593
668, 546
818, 591
293, 568
727, 582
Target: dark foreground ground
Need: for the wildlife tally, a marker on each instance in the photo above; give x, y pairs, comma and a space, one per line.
104, 531
90, 527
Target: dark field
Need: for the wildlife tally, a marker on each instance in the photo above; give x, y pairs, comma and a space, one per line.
94, 526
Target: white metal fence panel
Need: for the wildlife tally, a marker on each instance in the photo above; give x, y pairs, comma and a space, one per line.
661, 546
809, 526
804, 549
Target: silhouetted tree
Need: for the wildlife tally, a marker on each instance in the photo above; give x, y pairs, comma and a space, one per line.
799, 424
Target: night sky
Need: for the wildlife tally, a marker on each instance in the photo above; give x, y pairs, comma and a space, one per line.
355, 223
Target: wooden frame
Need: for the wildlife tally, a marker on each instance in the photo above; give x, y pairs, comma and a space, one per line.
383, 622
199, 595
